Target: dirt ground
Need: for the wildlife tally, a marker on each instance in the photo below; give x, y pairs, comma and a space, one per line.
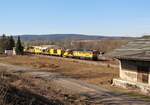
35, 74
94, 74
26, 90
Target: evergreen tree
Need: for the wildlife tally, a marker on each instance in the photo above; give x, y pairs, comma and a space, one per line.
3, 36
3, 42
19, 47
6, 43
1, 46
10, 43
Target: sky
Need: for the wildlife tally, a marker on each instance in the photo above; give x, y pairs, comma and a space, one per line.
92, 17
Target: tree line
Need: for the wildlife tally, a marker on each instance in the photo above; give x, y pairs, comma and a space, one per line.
8, 43
104, 45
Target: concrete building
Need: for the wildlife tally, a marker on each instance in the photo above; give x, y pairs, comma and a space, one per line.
134, 65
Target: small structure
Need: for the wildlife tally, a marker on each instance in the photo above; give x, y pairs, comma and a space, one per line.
10, 52
134, 65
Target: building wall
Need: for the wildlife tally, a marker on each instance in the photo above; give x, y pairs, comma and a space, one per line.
149, 77
129, 76
129, 70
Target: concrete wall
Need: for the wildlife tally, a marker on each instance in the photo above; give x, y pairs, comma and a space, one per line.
144, 88
128, 71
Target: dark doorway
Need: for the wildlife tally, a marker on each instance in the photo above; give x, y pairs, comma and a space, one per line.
143, 74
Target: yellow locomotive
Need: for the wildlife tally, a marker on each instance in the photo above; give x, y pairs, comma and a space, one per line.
33, 50
29, 50
81, 54
92, 55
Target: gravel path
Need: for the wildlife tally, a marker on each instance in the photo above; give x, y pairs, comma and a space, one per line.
96, 95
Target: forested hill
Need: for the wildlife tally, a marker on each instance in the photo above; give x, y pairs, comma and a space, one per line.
63, 37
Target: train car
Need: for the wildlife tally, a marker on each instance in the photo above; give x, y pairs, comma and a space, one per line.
38, 50
29, 50
45, 52
33, 50
90, 54
68, 53
56, 52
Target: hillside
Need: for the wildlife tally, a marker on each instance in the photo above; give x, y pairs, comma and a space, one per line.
64, 36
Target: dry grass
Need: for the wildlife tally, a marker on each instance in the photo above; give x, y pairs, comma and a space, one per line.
26, 90
98, 75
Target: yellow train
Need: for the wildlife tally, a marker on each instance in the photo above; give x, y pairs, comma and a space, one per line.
80, 54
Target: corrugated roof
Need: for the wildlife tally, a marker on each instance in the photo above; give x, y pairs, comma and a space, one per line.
138, 49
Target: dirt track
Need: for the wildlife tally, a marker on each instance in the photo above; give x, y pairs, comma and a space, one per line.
108, 63
95, 94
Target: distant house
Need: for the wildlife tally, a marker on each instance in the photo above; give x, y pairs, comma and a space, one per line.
10, 52
134, 65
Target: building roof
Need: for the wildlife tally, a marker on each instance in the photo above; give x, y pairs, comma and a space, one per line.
138, 49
